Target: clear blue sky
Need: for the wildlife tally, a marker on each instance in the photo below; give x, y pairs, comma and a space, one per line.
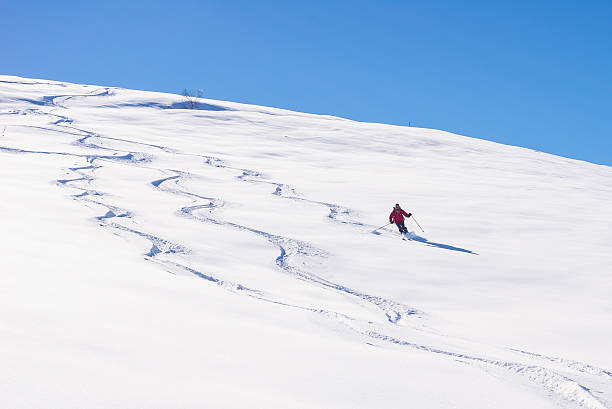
529, 73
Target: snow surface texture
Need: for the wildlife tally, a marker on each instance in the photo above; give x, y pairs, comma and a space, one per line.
159, 257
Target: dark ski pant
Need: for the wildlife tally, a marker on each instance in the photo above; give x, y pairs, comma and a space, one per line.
401, 227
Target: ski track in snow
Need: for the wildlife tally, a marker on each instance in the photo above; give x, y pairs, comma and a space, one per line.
158, 244
337, 213
289, 249
556, 384
575, 365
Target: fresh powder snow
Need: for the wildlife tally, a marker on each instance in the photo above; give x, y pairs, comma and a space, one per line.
224, 257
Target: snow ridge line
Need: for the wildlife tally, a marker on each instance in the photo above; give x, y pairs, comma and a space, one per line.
33, 83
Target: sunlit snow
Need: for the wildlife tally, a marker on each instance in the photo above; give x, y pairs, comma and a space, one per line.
161, 257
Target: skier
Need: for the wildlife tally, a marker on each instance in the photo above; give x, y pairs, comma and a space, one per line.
397, 216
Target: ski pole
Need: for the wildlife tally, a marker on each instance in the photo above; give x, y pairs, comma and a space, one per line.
418, 224
384, 225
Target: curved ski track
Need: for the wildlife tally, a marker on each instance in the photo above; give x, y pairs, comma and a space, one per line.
289, 248
556, 383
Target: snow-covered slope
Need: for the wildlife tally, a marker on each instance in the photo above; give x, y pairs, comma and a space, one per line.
158, 257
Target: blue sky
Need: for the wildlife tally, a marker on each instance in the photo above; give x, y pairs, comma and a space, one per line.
529, 73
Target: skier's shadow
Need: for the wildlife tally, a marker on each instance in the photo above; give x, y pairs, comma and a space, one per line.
440, 245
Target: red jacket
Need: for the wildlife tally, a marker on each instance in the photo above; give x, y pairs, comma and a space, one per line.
397, 217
